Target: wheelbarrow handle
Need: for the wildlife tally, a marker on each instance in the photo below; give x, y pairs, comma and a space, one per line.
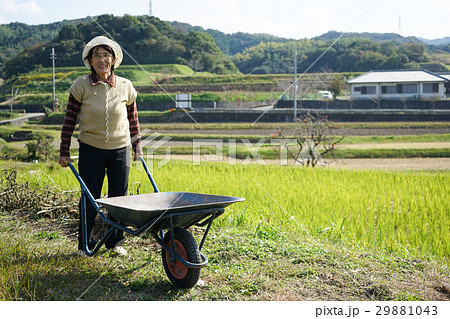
149, 174
84, 188
85, 193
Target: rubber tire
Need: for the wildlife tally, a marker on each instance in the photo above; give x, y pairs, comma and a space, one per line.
186, 247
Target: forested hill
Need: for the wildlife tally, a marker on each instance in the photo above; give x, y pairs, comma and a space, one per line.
232, 44
358, 52
377, 37
15, 37
148, 40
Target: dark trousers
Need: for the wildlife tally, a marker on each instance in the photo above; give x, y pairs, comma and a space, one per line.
93, 164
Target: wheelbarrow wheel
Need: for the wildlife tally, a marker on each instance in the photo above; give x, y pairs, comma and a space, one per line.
187, 248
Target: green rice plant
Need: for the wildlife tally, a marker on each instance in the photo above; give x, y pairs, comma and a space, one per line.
404, 212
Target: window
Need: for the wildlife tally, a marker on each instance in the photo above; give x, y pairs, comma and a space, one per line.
368, 89
357, 89
431, 88
406, 88
410, 88
388, 89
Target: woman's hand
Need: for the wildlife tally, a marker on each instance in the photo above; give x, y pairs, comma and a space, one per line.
63, 160
137, 155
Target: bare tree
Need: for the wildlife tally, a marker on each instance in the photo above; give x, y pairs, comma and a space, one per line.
432, 100
196, 63
313, 138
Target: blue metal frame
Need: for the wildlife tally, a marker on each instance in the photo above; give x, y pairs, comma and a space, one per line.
213, 213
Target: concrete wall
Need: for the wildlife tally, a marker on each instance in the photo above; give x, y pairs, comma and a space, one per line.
369, 104
277, 115
339, 111
289, 104
164, 106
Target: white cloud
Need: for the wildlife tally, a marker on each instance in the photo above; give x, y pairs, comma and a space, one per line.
16, 7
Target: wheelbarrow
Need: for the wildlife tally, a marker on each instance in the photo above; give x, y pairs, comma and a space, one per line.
167, 216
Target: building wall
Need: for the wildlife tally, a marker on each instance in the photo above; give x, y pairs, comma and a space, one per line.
389, 90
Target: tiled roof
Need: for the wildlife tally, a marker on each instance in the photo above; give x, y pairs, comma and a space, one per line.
394, 76
445, 75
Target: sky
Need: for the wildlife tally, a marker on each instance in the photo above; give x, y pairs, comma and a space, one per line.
295, 19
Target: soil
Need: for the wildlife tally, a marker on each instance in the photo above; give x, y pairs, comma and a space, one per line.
393, 163
348, 132
398, 164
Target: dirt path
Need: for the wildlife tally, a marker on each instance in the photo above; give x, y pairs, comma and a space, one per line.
393, 163
359, 163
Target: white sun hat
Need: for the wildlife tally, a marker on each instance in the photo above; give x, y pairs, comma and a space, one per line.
101, 40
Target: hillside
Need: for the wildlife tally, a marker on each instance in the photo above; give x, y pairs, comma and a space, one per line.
234, 43
148, 40
442, 41
377, 37
15, 37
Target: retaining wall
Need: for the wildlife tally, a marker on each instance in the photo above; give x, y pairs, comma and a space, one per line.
249, 116
361, 111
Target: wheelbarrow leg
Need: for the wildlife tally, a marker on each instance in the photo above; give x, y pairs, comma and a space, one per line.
172, 258
85, 235
85, 196
211, 219
84, 232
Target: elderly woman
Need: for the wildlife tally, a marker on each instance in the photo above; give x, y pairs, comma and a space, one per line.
106, 107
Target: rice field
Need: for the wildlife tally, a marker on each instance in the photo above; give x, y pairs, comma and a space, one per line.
403, 212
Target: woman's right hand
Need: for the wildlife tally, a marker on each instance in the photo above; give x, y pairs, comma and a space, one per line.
63, 160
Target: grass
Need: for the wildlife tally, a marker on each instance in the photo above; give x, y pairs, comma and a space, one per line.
7, 116
268, 139
401, 212
267, 150
242, 152
397, 139
243, 266
302, 234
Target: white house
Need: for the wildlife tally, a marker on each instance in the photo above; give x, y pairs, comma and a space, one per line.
398, 84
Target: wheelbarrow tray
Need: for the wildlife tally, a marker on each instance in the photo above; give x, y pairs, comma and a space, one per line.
185, 209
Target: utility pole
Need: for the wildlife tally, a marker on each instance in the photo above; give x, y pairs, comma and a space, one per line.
53, 57
295, 84
11, 101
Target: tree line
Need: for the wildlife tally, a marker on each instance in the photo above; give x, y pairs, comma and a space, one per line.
346, 55
148, 40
